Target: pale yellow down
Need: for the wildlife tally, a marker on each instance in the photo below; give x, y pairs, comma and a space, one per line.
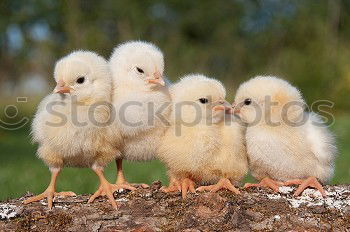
136, 100
67, 143
204, 151
286, 149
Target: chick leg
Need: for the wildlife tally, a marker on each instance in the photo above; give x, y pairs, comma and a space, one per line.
121, 179
174, 186
50, 193
266, 182
223, 183
187, 184
105, 188
303, 184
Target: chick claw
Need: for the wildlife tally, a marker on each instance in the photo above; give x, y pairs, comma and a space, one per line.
145, 186
174, 186
266, 182
303, 184
132, 188
222, 184
128, 186
187, 184
49, 194
107, 189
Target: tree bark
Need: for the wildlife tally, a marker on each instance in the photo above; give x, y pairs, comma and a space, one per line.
153, 210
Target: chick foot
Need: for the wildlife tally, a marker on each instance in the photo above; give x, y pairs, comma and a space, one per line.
174, 186
121, 179
50, 194
126, 185
267, 183
105, 189
303, 184
187, 184
223, 183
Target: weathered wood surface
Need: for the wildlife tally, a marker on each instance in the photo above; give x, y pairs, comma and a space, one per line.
153, 210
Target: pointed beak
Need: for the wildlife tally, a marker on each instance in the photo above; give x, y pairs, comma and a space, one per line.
222, 105
61, 87
235, 108
158, 79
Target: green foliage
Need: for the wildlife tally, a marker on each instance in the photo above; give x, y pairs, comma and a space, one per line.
304, 41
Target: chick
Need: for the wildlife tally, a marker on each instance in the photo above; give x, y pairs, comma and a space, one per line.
284, 143
71, 125
198, 147
141, 99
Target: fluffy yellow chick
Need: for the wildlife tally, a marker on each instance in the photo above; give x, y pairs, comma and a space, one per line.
141, 99
71, 125
198, 147
284, 143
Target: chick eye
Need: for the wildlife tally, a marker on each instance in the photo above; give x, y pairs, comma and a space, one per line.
139, 70
203, 100
247, 101
81, 80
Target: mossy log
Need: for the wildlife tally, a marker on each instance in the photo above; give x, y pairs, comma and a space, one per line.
152, 210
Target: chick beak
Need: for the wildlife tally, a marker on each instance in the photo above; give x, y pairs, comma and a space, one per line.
158, 79
222, 105
61, 87
235, 109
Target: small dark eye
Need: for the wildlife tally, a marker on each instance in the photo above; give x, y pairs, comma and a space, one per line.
203, 100
139, 70
80, 80
247, 101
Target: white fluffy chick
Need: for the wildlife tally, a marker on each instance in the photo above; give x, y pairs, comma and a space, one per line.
141, 99
284, 143
198, 147
71, 124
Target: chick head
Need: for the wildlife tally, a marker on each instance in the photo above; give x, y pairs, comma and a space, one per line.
199, 99
85, 75
138, 63
268, 99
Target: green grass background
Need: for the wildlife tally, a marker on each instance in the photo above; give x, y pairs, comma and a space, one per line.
21, 170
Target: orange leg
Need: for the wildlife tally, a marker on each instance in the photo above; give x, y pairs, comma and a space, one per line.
121, 179
105, 189
303, 184
266, 182
174, 186
50, 192
187, 184
223, 183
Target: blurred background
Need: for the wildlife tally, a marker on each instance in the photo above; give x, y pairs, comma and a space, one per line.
304, 41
